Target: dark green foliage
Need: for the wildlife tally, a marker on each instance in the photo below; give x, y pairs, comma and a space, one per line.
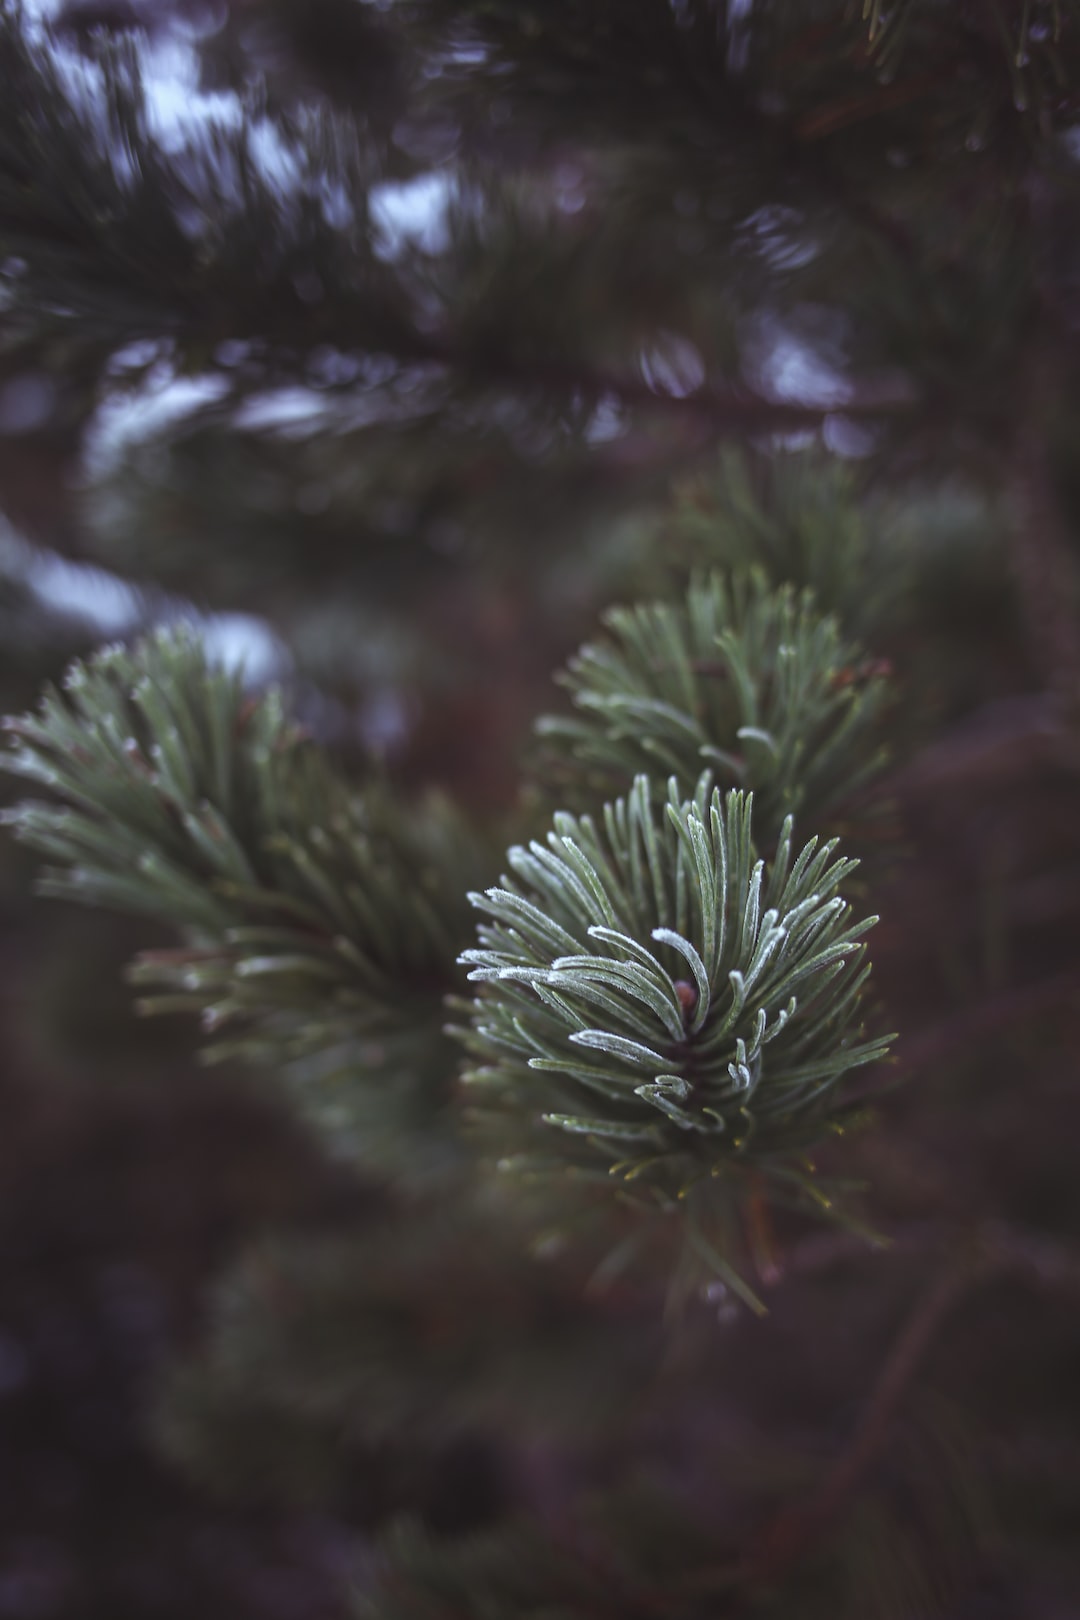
599, 1570
434, 1327
799, 518
322, 924
187, 801
424, 345
113, 238
642, 1553
748, 682
661, 1008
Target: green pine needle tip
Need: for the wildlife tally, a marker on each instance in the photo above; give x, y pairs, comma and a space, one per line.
741, 678
658, 1007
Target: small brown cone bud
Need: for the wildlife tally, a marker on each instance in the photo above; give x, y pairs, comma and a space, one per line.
687, 994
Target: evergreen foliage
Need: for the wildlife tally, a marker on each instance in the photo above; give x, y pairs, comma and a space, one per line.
321, 923
674, 1007
365, 1360
636, 1551
521, 1572
113, 238
748, 682
801, 518
419, 330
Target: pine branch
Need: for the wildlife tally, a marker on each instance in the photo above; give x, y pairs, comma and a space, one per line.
109, 238
747, 682
114, 239
641, 1554
320, 924
663, 1014
800, 518
798, 1531
621, 1560
432, 1318
1043, 559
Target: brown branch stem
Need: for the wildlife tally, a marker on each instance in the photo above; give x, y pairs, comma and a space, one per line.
987, 1018
1042, 562
789, 1536
995, 1250
968, 1028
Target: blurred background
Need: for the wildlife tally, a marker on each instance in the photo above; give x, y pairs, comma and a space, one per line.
388, 342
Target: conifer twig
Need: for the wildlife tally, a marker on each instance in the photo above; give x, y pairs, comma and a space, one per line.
966, 1029
1053, 1266
987, 1017
1004, 739
1041, 556
794, 1530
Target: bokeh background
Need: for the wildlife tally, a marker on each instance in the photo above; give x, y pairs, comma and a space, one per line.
388, 343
